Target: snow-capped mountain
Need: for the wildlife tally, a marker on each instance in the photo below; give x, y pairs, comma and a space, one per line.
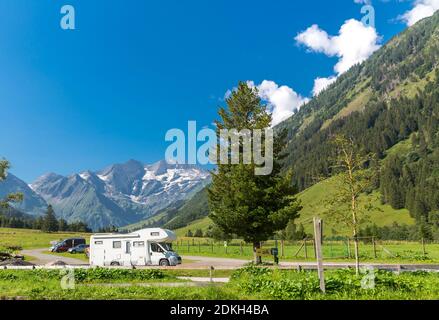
32, 203
122, 193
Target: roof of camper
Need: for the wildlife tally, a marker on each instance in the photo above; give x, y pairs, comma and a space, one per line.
157, 234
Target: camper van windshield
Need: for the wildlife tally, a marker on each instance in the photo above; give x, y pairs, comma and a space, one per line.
166, 246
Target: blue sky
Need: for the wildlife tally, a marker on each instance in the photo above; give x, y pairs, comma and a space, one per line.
72, 100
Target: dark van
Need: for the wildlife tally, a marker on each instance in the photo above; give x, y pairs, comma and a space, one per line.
66, 244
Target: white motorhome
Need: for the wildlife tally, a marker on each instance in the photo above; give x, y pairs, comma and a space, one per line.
147, 247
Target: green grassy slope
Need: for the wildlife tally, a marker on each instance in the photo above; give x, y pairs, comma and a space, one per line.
194, 209
313, 200
176, 217
139, 225
202, 224
313, 205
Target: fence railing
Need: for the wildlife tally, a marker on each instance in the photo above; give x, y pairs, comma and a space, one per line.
369, 248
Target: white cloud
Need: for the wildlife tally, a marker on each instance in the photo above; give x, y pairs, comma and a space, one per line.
317, 40
354, 44
422, 9
282, 100
321, 84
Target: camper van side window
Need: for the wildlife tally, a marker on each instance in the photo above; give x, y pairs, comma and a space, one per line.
156, 248
117, 244
138, 244
99, 243
155, 234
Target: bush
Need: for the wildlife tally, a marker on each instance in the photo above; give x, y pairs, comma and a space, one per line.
87, 275
285, 285
102, 274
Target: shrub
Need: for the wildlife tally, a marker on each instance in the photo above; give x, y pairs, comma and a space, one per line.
103, 274
282, 284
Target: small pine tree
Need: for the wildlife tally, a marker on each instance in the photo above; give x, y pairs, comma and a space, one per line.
198, 233
38, 223
63, 225
50, 223
189, 234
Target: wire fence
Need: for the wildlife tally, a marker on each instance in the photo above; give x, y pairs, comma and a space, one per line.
369, 249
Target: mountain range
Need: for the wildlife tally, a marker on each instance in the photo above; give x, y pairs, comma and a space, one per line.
117, 195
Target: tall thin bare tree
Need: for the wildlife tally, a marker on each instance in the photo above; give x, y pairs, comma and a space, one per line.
352, 178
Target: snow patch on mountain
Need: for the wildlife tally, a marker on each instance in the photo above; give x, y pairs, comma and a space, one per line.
121, 193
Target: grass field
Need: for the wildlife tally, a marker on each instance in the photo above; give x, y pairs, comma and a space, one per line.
386, 251
247, 283
32, 239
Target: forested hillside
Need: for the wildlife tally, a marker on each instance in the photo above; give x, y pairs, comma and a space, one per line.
360, 103
178, 215
391, 98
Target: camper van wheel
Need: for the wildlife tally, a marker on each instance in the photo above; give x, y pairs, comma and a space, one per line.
164, 263
115, 264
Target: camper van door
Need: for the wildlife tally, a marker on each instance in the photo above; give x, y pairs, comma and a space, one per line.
138, 253
127, 253
97, 254
156, 254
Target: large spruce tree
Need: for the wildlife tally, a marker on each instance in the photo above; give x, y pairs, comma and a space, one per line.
242, 203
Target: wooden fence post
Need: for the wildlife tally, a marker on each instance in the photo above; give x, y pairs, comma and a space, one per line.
314, 246
374, 247
211, 273
349, 249
306, 249
240, 248
282, 248
318, 246
423, 247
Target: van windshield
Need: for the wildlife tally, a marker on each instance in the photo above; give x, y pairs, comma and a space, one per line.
166, 246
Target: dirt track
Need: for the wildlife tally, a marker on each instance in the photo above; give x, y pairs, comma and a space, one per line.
207, 262
44, 258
